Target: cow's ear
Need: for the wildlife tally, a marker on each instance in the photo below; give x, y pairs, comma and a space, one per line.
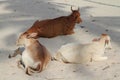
32, 35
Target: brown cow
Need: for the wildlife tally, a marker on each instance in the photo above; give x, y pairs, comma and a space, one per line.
53, 27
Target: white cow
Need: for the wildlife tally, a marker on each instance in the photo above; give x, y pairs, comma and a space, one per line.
81, 53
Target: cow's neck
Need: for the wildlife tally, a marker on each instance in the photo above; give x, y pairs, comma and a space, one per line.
71, 20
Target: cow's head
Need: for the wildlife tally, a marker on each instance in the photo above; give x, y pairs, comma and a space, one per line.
25, 38
76, 15
107, 40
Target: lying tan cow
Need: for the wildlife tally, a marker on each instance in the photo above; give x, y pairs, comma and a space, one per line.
83, 53
35, 57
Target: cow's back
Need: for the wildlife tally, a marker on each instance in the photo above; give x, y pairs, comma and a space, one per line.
52, 27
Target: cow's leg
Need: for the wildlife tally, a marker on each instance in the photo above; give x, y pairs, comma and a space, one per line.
20, 64
28, 71
69, 31
16, 52
99, 58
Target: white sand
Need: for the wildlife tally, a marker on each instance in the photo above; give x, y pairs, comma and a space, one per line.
16, 16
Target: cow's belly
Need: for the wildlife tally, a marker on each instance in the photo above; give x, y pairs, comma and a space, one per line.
51, 31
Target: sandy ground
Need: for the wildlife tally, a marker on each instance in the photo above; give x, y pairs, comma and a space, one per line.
99, 16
